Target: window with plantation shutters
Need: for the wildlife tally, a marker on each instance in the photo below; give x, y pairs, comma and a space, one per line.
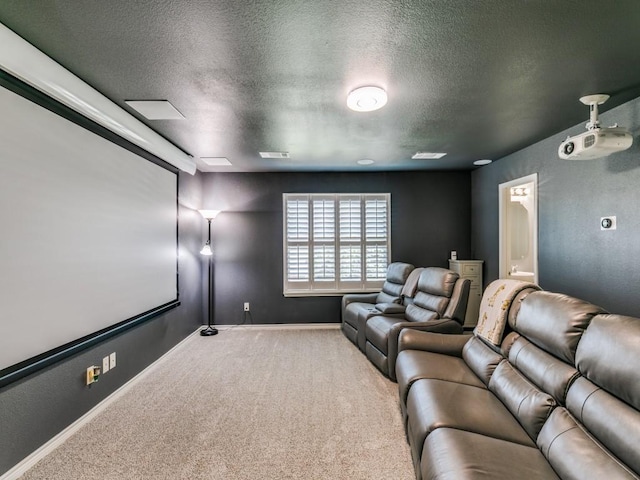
335, 243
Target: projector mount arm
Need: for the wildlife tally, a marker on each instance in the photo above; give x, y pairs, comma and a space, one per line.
593, 101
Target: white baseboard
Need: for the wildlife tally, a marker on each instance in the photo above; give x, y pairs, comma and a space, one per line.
282, 326
25, 464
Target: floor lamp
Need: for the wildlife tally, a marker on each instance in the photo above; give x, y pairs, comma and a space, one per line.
208, 252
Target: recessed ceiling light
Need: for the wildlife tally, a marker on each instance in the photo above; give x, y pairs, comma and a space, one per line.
155, 109
482, 162
367, 99
216, 161
365, 161
428, 156
274, 154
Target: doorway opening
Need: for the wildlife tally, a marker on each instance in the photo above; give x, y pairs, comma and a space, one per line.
518, 206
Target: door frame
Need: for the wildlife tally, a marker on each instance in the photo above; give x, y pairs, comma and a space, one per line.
503, 190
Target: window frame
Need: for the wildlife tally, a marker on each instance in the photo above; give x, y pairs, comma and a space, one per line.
334, 286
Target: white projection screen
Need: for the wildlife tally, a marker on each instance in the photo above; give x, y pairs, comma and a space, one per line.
89, 232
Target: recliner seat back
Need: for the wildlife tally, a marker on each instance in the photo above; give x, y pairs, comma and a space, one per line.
397, 274
598, 433
540, 365
435, 289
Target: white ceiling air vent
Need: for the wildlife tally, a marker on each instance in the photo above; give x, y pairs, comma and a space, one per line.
274, 154
155, 109
428, 156
216, 161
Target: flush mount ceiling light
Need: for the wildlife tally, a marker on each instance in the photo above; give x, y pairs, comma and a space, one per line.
428, 156
155, 109
367, 99
274, 154
479, 163
365, 161
216, 161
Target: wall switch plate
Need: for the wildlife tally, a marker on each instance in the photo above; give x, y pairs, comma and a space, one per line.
608, 223
246, 306
112, 360
105, 364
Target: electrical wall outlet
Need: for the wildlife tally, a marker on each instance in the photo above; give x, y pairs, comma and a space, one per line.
246, 306
112, 360
93, 374
105, 364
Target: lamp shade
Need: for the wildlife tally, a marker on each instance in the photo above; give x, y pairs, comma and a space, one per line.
206, 250
209, 214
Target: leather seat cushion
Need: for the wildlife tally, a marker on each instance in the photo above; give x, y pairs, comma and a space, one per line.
378, 329
434, 404
353, 310
451, 454
413, 365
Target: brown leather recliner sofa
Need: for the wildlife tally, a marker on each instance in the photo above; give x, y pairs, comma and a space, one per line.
560, 398
439, 305
358, 307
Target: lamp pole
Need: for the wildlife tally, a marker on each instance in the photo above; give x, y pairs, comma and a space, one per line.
209, 215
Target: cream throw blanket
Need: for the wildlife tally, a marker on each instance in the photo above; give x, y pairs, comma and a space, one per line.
494, 307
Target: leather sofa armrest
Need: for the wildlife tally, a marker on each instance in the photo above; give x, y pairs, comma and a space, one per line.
442, 326
412, 339
390, 308
359, 297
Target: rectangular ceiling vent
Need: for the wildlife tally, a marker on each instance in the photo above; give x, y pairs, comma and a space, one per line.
216, 161
428, 156
274, 154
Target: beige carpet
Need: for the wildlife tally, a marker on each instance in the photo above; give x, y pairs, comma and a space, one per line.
246, 404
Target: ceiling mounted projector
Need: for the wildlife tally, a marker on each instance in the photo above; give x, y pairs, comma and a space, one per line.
596, 142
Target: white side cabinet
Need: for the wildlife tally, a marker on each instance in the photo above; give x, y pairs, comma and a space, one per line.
471, 269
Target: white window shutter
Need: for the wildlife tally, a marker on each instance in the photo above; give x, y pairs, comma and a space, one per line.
335, 243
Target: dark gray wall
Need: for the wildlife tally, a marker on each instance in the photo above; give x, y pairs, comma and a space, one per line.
430, 214
575, 256
36, 408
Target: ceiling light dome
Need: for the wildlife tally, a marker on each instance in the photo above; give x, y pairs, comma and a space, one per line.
367, 99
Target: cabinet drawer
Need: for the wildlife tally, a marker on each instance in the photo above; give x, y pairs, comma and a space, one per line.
475, 280
471, 270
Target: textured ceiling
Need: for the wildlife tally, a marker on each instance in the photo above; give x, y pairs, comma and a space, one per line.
473, 78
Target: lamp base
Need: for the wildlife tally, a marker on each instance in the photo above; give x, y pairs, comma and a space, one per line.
207, 332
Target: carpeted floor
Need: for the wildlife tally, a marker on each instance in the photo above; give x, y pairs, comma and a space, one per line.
246, 404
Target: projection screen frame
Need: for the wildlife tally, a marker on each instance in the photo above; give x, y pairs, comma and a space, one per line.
31, 365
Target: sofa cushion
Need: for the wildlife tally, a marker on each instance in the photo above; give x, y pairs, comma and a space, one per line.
481, 359
554, 322
397, 274
550, 374
384, 297
413, 365
435, 287
575, 454
610, 421
525, 401
450, 454
434, 404
609, 356
355, 309
377, 331
437, 281
420, 312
